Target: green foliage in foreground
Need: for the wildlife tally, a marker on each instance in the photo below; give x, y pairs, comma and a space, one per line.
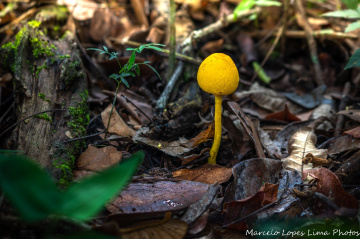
32, 192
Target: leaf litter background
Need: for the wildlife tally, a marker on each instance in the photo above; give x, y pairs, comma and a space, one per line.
289, 150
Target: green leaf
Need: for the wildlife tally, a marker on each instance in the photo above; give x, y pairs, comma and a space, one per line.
244, 5
351, 4
137, 69
94, 49
354, 60
155, 48
114, 76
141, 48
268, 3
153, 70
130, 49
349, 14
131, 60
353, 26
125, 82
28, 187
261, 73
156, 44
86, 199
105, 48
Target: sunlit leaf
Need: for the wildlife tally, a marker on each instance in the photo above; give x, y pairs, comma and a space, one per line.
349, 14
87, 198
268, 3
353, 26
141, 48
155, 48
243, 6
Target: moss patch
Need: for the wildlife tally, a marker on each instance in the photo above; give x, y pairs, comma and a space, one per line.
64, 160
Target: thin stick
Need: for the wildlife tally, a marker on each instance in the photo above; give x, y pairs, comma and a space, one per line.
162, 101
311, 43
129, 101
29, 118
85, 137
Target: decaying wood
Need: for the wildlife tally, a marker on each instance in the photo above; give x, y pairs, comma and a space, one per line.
47, 83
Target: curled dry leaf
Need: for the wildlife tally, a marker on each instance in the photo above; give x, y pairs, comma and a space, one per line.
300, 144
208, 173
117, 124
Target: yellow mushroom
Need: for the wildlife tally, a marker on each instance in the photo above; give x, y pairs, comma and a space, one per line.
219, 76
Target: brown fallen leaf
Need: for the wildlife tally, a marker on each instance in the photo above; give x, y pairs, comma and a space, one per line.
155, 196
96, 159
204, 135
327, 183
164, 229
207, 173
284, 115
237, 209
117, 124
355, 132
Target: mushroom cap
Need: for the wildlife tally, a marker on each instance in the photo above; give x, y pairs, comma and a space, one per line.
218, 75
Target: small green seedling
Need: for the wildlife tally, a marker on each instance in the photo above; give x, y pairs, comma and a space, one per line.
129, 69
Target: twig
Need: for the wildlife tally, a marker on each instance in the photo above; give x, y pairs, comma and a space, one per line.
342, 106
279, 34
302, 34
222, 22
129, 101
162, 101
85, 137
6, 112
284, 29
311, 43
28, 118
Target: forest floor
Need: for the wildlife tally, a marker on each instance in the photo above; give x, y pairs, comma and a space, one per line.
105, 95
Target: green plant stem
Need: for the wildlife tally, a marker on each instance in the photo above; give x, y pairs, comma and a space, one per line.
112, 107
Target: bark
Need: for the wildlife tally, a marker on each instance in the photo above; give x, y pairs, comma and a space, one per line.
55, 79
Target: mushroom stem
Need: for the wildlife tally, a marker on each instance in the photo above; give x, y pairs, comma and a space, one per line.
217, 136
